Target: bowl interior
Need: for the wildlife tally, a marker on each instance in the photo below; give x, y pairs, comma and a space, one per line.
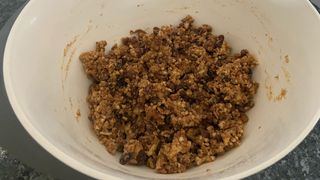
47, 86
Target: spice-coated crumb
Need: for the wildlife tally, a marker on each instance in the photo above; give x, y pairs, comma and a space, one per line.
171, 99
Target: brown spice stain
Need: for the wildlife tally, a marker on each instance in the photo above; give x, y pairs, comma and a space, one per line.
78, 114
68, 63
286, 74
269, 92
260, 46
254, 11
260, 17
268, 86
101, 14
69, 45
286, 59
268, 36
66, 50
282, 95
70, 101
270, 39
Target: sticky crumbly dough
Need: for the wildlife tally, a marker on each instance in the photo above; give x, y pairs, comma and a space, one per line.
171, 99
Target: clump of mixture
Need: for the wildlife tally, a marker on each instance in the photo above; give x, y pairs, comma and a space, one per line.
171, 99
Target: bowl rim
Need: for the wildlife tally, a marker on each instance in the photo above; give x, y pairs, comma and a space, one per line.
79, 166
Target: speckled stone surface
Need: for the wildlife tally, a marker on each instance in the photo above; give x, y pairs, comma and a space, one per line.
7, 8
302, 163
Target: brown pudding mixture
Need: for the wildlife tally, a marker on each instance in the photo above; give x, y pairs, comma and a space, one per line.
171, 99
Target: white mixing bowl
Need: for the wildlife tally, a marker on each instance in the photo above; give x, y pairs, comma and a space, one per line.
47, 86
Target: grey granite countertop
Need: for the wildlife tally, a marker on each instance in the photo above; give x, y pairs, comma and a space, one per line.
302, 163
